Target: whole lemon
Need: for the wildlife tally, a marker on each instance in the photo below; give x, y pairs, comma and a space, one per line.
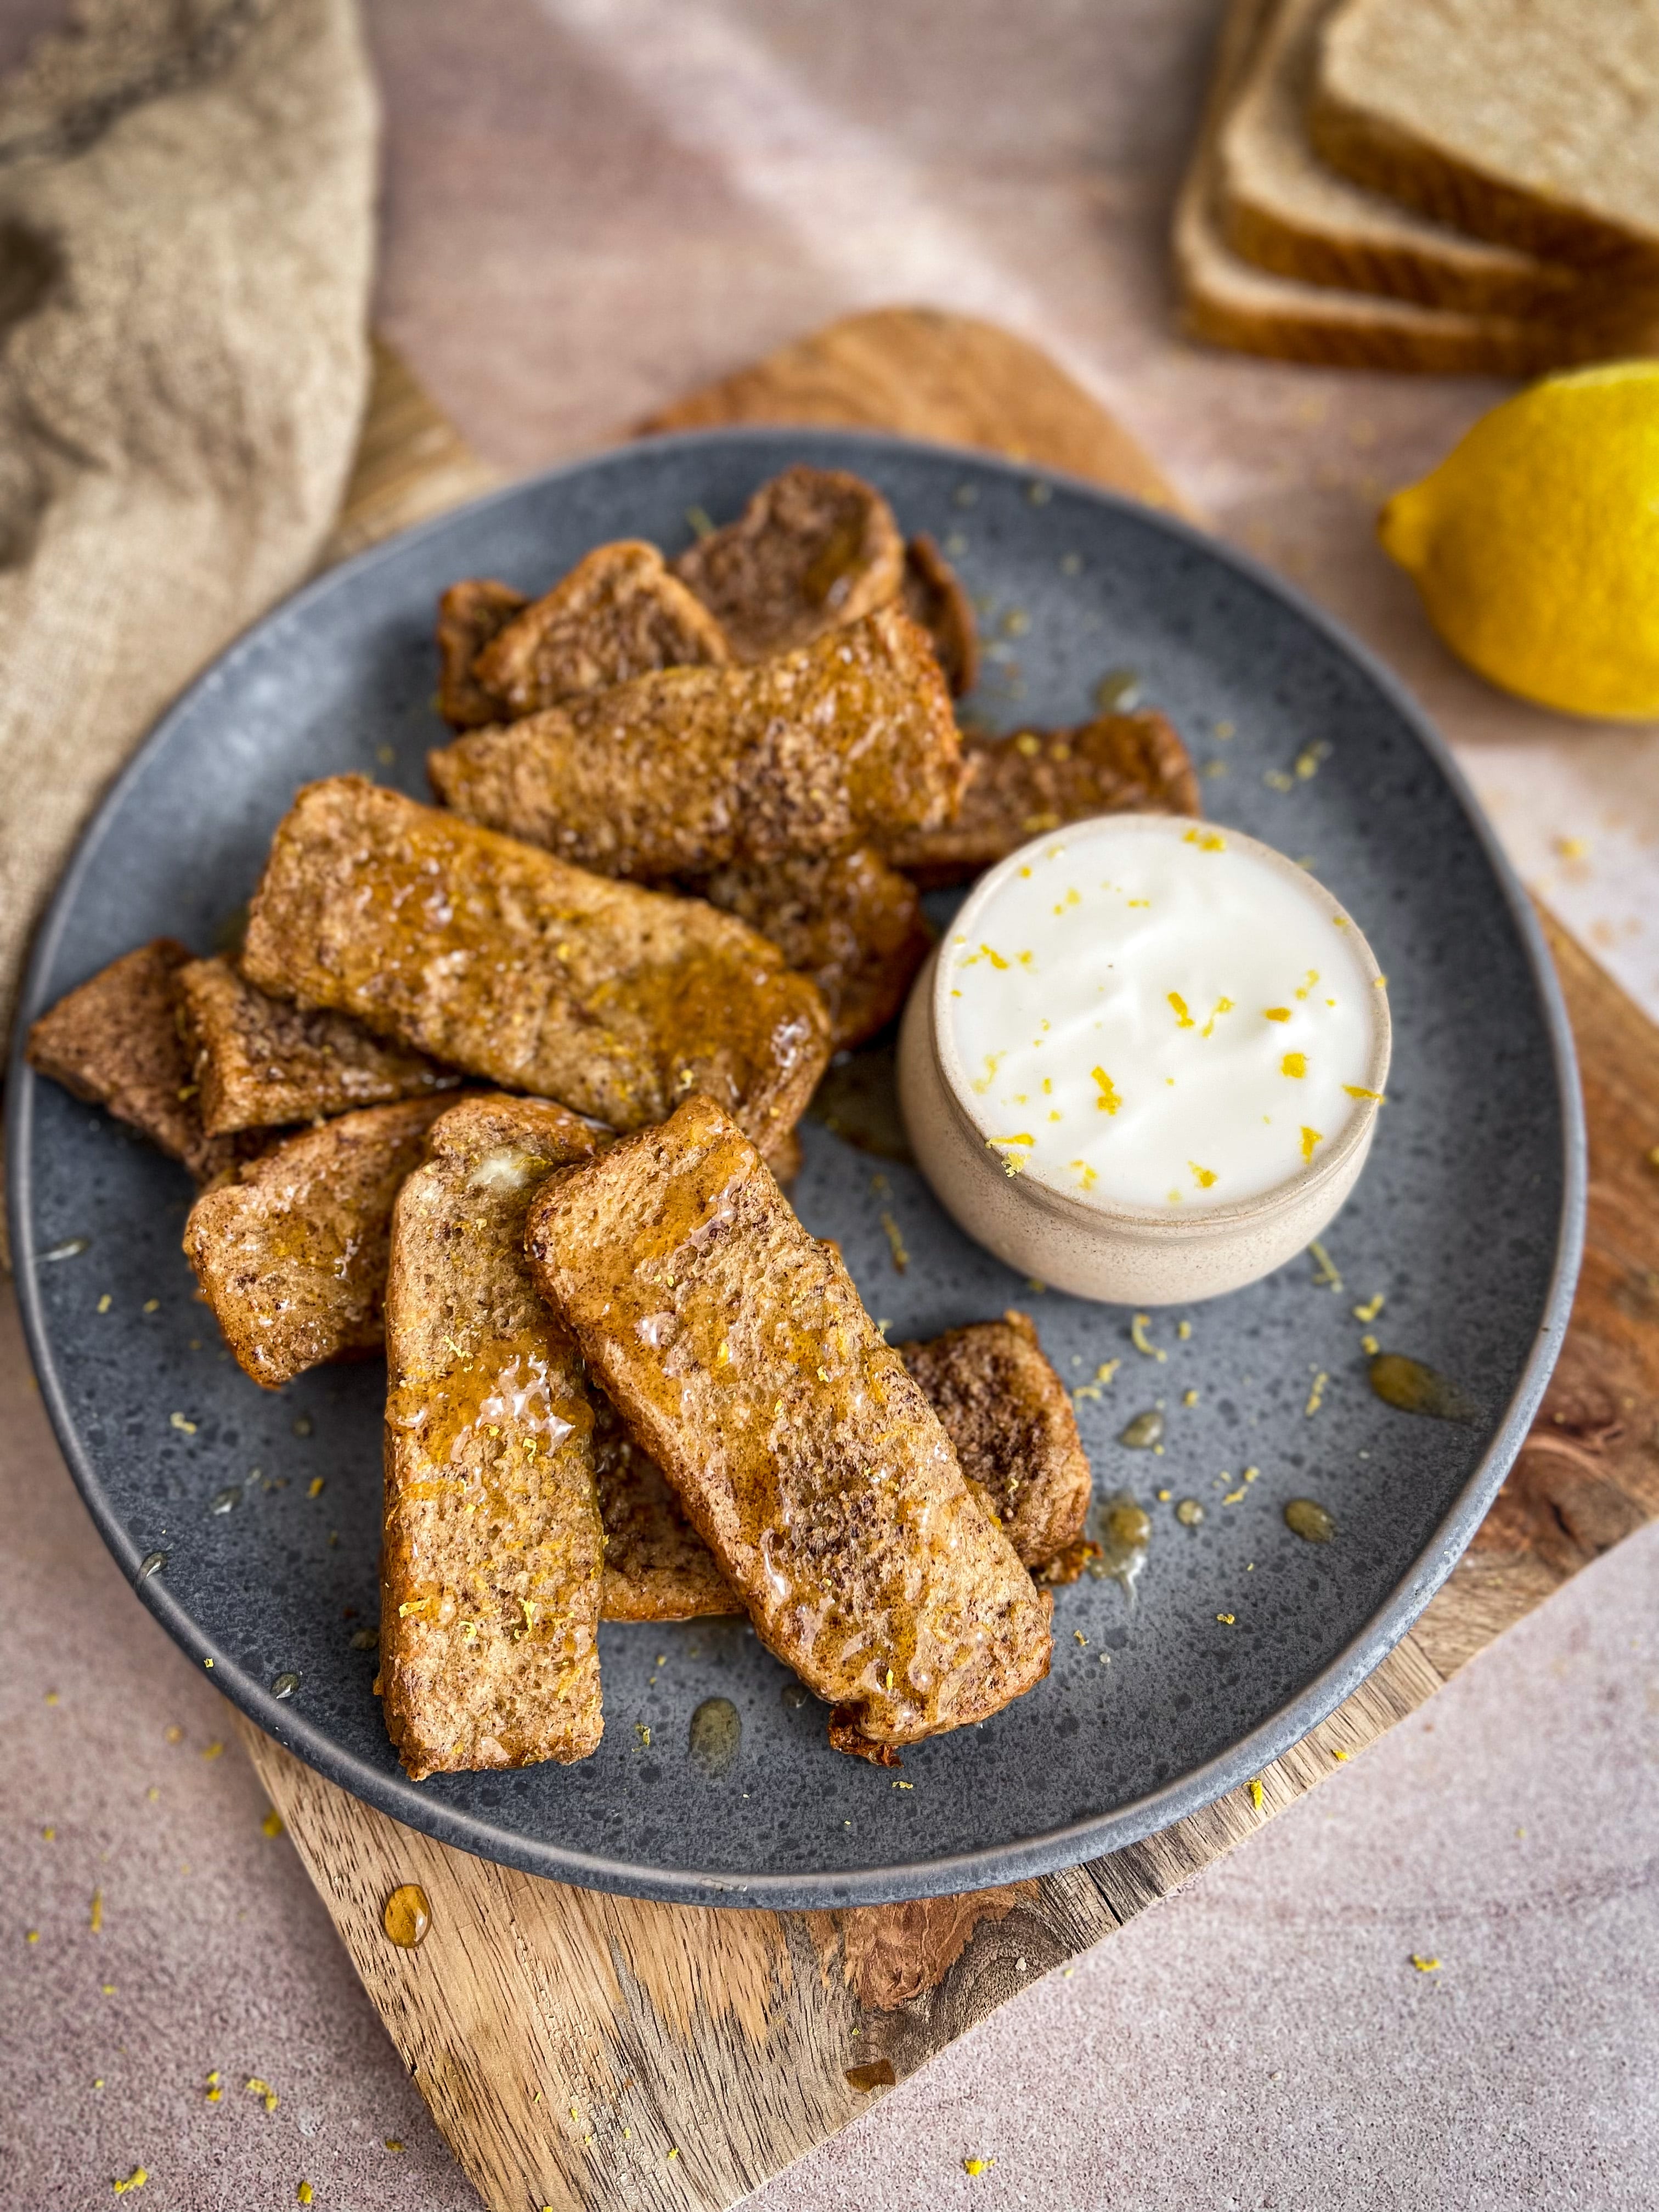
1535, 542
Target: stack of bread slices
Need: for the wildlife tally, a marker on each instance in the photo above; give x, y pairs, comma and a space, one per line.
1451, 185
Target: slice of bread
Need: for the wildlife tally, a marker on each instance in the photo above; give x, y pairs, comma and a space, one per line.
1282, 207
656, 1566
933, 596
1532, 122
291, 1253
1020, 786
813, 549
850, 922
115, 1041
260, 1063
1010, 1417
469, 614
806, 1456
492, 1544
493, 957
999, 1401
1227, 301
690, 769
618, 614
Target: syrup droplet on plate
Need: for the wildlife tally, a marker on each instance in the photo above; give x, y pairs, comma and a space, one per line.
151, 1564
284, 1685
1143, 1431
1411, 1387
1307, 1518
1121, 1531
858, 1101
716, 1737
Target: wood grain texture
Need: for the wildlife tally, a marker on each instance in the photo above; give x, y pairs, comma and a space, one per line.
925, 374
579, 2050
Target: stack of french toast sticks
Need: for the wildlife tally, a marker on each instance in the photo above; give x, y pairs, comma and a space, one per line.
1441, 185
509, 1085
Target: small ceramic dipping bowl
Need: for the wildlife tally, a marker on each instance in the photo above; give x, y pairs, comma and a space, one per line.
1179, 1013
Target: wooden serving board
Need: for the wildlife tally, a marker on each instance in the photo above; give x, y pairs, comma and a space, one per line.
580, 2050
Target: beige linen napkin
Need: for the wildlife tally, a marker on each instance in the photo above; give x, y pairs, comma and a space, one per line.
187, 239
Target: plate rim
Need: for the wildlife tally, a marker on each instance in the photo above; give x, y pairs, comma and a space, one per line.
1095, 1835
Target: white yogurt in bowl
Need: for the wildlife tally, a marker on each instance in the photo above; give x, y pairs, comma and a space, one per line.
1147, 1060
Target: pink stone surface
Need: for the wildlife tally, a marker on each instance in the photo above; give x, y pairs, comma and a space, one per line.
592, 205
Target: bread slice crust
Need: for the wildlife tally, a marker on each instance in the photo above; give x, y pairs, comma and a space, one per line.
493, 956
804, 1453
493, 1545
291, 1253
692, 769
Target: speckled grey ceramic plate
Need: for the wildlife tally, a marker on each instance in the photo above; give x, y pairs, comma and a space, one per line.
1240, 1637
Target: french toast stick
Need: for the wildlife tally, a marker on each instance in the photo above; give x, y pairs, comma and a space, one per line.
656, 1566
935, 598
1010, 1417
803, 1451
1020, 786
469, 614
115, 1041
999, 1401
618, 614
850, 922
258, 1062
497, 958
691, 769
291, 1252
493, 1546
814, 548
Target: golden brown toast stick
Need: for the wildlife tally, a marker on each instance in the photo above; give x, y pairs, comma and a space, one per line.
694, 768
852, 923
492, 1549
813, 549
999, 1401
656, 1566
1021, 785
469, 614
1011, 1418
497, 958
806, 1455
116, 1042
935, 598
291, 1254
258, 1062
618, 614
